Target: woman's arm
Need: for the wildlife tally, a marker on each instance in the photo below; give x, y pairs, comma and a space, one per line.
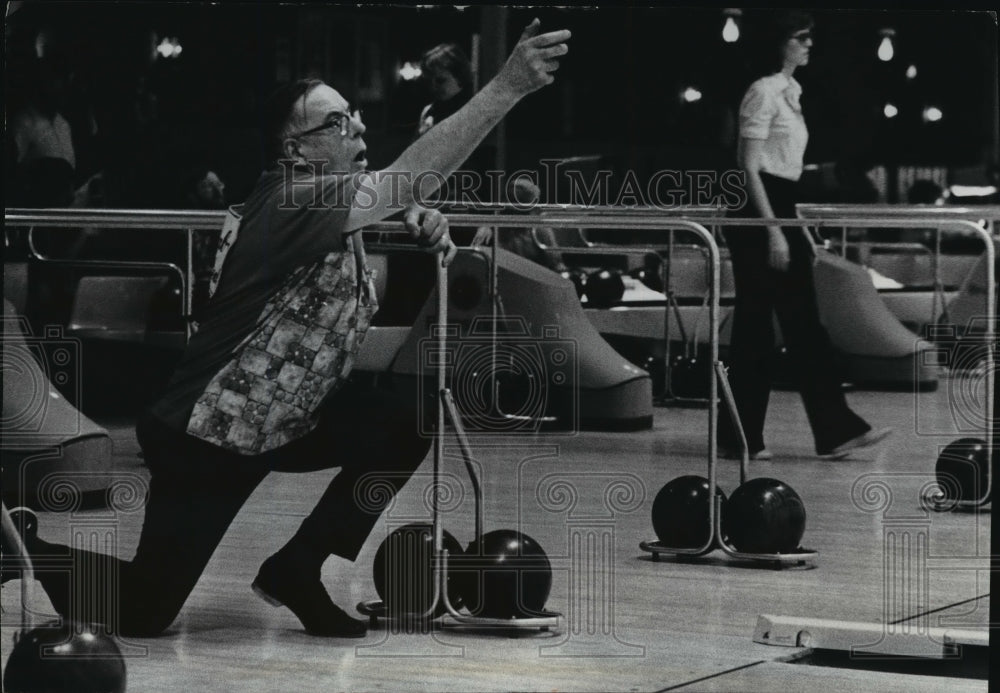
750, 155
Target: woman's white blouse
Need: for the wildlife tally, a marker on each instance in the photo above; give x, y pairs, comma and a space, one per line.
771, 112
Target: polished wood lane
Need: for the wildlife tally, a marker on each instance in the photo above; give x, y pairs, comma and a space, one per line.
632, 624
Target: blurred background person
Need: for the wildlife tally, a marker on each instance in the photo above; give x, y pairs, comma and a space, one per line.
525, 241
41, 142
448, 74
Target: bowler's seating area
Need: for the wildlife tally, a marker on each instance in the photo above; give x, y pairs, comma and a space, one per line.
106, 297
907, 254
137, 309
128, 316
682, 261
910, 264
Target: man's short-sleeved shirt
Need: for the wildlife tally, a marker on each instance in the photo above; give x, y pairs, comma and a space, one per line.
286, 228
771, 112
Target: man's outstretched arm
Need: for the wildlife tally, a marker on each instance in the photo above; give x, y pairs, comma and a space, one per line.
445, 146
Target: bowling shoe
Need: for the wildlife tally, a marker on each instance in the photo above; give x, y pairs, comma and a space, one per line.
279, 584
865, 440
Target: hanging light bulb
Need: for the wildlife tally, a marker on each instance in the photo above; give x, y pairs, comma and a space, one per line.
731, 30
890, 110
885, 49
932, 114
410, 71
691, 95
911, 72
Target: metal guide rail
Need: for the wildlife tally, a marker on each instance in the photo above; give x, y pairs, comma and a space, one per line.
563, 216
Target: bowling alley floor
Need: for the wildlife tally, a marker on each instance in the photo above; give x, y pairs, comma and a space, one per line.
629, 623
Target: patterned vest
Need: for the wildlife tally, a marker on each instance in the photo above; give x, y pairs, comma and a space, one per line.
300, 351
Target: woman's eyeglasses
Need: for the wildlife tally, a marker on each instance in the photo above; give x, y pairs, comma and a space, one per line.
340, 120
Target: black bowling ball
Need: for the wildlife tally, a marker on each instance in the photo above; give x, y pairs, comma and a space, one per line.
604, 288
649, 279
505, 575
403, 570
579, 279
68, 657
690, 377
764, 516
962, 470
681, 512
651, 272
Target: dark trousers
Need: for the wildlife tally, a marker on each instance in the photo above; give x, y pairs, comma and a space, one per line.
196, 489
762, 292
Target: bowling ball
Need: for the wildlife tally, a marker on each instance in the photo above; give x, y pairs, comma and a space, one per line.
578, 278
764, 516
689, 377
604, 288
649, 279
962, 469
66, 657
505, 575
650, 274
680, 512
404, 570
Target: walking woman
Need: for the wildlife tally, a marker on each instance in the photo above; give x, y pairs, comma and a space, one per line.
773, 266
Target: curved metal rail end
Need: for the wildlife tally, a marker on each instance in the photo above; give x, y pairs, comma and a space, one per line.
801, 557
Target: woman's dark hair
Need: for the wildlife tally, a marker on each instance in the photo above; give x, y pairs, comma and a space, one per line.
451, 58
776, 33
278, 111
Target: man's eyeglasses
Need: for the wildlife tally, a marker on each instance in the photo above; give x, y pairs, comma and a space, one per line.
802, 36
335, 120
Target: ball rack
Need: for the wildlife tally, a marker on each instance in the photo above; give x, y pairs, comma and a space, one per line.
938, 500
716, 540
376, 609
717, 376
